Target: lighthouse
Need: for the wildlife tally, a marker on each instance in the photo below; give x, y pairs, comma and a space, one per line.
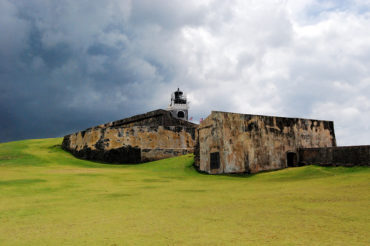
179, 106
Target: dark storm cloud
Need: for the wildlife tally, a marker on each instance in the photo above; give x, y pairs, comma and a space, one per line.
68, 65
39, 81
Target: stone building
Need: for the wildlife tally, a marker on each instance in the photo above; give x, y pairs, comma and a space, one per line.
243, 143
146, 137
222, 143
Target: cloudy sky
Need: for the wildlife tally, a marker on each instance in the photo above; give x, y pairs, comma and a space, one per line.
68, 65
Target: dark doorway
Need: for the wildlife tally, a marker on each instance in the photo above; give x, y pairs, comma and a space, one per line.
180, 114
215, 160
292, 160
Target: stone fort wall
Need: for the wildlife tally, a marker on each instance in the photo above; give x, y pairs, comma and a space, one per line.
223, 142
147, 137
242, 143
336, 156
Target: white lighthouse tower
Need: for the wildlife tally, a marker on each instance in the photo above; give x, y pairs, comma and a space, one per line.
179, 106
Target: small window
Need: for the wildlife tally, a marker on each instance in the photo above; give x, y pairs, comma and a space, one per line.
215, 160
180, 114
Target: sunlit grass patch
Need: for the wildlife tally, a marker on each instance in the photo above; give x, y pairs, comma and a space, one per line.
49, 197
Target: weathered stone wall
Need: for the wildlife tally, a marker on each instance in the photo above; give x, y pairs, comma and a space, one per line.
136, 139
253, 143
336, 156
158, 117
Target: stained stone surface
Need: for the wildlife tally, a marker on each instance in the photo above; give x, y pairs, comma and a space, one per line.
146, 137
243, 143
222, 143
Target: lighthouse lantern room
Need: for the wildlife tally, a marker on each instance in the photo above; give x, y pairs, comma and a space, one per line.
179, 106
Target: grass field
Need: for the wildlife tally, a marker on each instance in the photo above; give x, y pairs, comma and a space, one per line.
48, 197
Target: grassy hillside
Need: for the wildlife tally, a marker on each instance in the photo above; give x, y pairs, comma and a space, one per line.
48, 197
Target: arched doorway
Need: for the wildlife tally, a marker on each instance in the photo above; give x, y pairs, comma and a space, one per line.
181, 114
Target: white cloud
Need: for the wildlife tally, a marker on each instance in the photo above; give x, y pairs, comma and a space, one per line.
306, 58
265, 58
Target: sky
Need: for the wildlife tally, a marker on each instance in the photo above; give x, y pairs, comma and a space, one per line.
67, 65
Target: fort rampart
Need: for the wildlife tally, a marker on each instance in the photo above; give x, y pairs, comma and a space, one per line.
336, 156
223, 143
147, 137
242, 143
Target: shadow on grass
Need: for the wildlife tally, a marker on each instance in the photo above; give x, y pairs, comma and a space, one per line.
118, 195
21, 182
291, 173
194, 191
155, 180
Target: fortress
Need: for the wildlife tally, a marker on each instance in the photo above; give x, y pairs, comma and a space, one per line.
146, 137
222, 143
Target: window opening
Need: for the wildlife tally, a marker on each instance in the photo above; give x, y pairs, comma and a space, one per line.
215, 160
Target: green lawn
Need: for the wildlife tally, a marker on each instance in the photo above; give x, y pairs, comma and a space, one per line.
48, 197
